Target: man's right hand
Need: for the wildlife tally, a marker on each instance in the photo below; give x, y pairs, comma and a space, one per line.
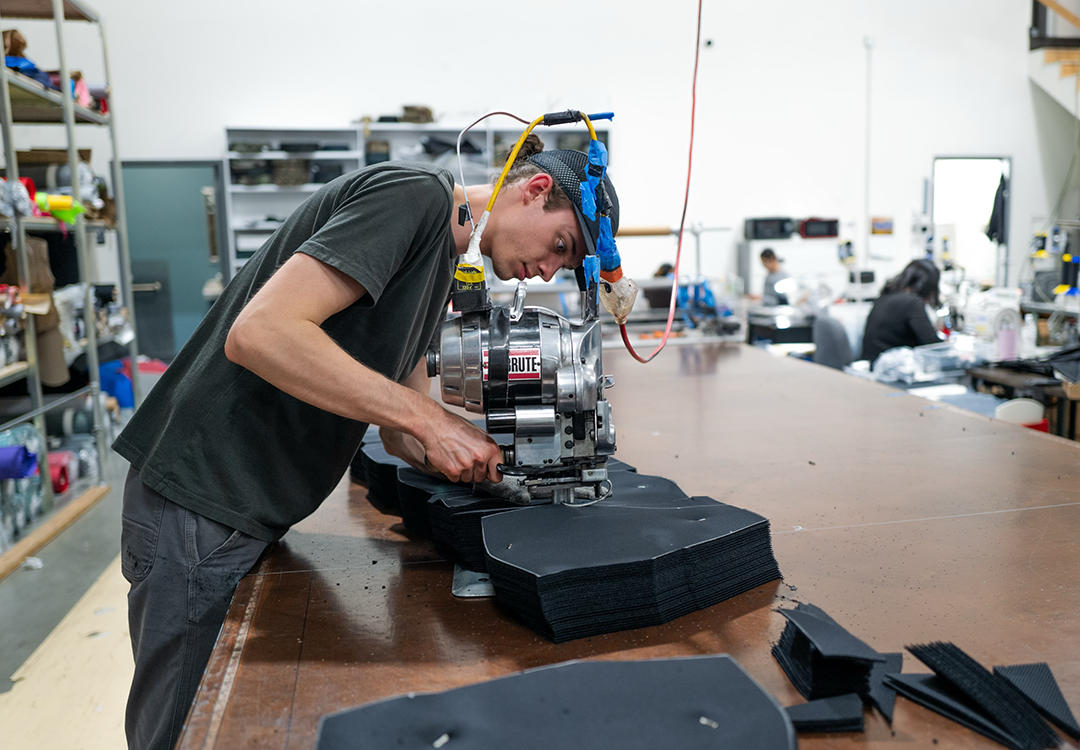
461, 450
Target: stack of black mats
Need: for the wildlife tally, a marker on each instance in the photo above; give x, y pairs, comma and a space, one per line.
645, 556
1003, 705
695, 703
833, 670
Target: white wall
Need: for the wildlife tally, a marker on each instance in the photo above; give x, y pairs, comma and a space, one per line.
781, 91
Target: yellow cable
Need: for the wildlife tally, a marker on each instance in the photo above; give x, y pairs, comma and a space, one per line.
510, 161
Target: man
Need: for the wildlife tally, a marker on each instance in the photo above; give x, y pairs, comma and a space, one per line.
769, 295
257, 419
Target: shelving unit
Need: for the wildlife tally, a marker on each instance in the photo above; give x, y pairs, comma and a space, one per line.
248, 207
25, 101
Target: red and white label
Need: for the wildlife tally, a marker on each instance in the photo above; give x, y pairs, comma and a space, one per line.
523, 364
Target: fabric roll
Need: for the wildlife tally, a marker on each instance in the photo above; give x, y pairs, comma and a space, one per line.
17, 462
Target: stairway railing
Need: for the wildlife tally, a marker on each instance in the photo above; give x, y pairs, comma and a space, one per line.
1040, 10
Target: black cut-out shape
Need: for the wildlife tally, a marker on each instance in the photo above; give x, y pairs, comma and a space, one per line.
1038, 685
931, 692
879, 694
999, 699
820, 657
694, 703
645, 556
841, 713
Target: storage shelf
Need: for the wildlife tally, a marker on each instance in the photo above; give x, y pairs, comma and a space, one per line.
31, 102
43, 10
15, 371
44, 223
271, 155
308, 188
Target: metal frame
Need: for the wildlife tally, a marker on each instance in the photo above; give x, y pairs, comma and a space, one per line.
1039, 39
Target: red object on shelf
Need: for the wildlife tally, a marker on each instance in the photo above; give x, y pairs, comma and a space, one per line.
1043, 426
62, 464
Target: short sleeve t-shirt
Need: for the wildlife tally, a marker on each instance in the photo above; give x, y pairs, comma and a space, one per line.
219, 440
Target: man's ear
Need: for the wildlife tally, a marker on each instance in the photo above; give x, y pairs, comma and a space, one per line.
537, 186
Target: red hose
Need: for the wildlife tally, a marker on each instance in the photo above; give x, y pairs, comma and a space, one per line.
682, 220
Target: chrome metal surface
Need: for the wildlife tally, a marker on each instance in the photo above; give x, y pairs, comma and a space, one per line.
468, 584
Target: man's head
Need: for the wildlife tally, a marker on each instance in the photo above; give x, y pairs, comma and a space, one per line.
537, 226
769, 260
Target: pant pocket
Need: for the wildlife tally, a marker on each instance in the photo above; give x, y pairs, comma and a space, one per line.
207, 538
140, 529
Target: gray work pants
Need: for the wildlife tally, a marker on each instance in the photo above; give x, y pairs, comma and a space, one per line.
183, 569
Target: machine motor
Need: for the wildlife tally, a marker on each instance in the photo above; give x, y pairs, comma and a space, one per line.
539, 376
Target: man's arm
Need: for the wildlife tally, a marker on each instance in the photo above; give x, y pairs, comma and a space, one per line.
278, 336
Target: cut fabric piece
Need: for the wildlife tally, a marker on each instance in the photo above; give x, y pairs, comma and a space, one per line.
645, 556
695, 703
880, 695
820, 657
996, 697
1038, 685
842, 713
931, 692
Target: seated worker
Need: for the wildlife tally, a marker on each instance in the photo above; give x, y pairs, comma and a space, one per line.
769, 295
660, 297
899, 316
321, 333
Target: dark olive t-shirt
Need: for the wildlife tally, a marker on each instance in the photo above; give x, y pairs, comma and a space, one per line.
219, 440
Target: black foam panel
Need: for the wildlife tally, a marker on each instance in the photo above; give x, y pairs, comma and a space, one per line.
696, 703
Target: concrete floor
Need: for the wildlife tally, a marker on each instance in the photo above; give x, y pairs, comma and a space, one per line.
33, 602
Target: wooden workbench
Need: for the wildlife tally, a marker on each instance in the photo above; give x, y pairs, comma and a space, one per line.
906, 521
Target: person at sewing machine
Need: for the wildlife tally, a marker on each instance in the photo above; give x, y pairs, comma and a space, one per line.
321, 333
901, 315
770, 295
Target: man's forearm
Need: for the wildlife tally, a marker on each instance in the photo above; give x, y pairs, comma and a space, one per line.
302, 360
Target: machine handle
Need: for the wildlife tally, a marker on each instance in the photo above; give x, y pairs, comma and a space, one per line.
518, 306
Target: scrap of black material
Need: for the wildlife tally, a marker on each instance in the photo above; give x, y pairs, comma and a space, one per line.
1038, 685
689, 703
880, 694
995, 695
820, 657
931, 692
646, 556
841, 713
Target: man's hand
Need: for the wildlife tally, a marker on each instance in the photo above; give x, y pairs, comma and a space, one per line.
461, 450
405, 447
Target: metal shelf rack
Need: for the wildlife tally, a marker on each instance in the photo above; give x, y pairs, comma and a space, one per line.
25, 101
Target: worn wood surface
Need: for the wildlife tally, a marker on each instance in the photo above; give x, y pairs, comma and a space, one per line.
906, 521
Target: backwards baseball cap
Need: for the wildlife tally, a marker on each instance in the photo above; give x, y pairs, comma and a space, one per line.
569, 170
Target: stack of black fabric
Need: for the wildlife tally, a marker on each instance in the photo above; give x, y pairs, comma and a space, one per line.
695, 703
989, 703
643, 557
379, 471
820, 657
456, 525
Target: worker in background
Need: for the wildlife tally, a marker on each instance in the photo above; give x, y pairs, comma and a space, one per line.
900, 316
769, 295
321, 333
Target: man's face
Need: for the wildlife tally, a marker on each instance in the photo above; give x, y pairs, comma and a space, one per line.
528, 240
771, 264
